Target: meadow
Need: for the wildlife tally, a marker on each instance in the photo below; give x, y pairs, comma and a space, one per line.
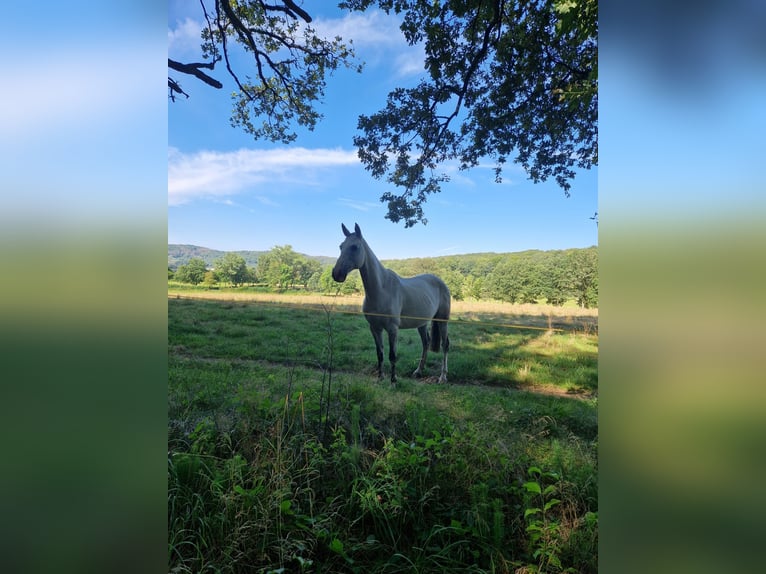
286, 454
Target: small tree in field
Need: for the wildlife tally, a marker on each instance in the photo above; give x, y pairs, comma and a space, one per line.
232, 268
314, 283
210, 279
283, 268
193, 272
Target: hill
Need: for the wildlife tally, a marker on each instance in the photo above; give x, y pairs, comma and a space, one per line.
181, 254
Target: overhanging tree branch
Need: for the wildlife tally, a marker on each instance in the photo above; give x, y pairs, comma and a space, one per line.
289, 64
194, 70
291, 9
506, 79
175, 88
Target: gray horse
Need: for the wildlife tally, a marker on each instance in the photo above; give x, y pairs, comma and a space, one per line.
392, 302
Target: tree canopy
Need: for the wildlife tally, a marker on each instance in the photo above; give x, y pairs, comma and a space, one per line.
290, 62
514, 79
282, 267
193, 272
232, 268
507, 81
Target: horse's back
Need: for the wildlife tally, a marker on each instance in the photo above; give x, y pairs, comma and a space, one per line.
424, 297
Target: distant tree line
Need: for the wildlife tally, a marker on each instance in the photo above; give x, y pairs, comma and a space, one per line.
526, 277
280, 269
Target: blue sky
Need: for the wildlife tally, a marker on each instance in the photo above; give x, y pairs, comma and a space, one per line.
227, 191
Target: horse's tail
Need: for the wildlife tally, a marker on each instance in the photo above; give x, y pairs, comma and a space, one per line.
436, 327
439, 322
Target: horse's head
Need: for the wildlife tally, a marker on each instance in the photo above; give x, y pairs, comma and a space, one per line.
352, 254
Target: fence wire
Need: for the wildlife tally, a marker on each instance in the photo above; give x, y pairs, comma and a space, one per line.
333, 307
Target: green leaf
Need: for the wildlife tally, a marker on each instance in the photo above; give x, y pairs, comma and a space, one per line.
529, 511
337, 546
549, 490
550, 504
532, 487
564, 6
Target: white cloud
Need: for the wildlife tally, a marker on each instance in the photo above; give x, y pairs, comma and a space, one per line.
184, 39
411, 62
377, 40
267, 201
369, 29
358, 205
215, 174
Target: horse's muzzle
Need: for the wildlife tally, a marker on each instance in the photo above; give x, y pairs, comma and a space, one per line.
339, 275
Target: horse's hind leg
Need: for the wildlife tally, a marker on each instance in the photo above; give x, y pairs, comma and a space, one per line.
423, 332
392, 334
445, 348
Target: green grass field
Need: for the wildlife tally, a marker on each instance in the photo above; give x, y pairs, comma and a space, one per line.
287, 455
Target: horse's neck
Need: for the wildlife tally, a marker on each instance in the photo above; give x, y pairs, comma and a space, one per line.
372, 273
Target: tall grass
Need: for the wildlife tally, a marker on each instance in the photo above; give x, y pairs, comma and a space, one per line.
272, 469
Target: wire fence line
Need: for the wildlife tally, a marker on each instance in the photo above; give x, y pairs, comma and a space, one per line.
336, 307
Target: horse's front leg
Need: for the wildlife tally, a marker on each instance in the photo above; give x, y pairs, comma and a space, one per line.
377, 335
392, 334
423, 332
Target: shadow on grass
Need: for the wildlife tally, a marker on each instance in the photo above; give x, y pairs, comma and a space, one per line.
485, 351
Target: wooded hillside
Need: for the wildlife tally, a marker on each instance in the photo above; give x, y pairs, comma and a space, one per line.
554, 276
181, 255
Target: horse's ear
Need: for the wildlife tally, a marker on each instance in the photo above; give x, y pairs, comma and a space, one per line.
357, 230
346, 232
